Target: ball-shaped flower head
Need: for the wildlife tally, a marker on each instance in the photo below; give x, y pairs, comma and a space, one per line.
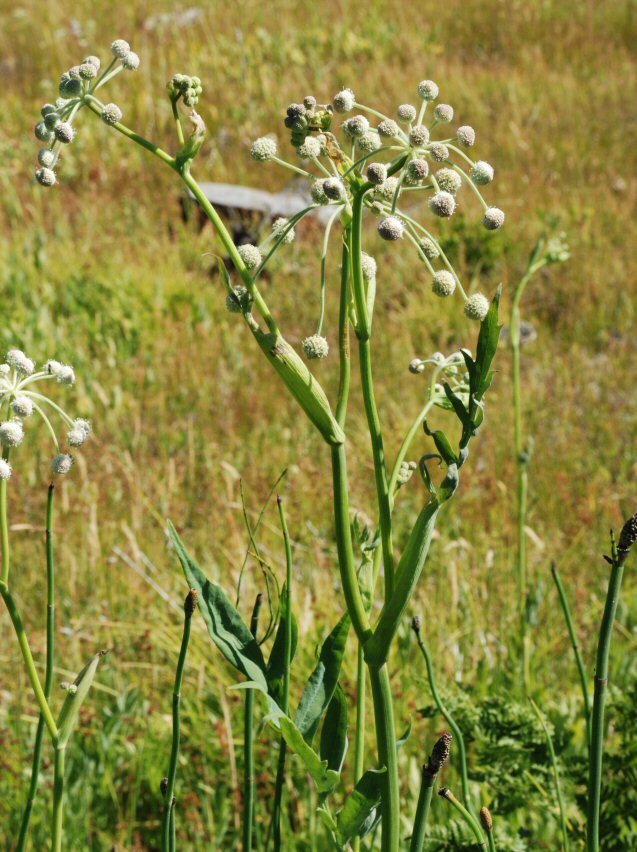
88, 71
428, 90
448, 180
5, 469
315, 347
64, 132
317, 192
46, 109
443, 204
46, 158
111, 114
76, 437
309, 103
279, 227
84, 425
439, 152
416, 366
74, 72
263, 149
310, 149
131, 61
20, 363
22, 406
476, 307
388, 129
368, 142
238, 301
387, 189
493, 218
391, 228
417, 170
418, 136
92, 60
443, 283
356, 126
377, 173
119, 48
429, 248
42, 132
62, 464
334, 189
368, 265
51, 120
466, 136
406, 113
11, 433
251, 256
482, 173
444, 113
344, 101
45, 177
69, 86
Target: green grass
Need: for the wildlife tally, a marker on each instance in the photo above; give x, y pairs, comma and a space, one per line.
99, 272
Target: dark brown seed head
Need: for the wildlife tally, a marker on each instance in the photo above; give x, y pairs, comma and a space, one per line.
439, 755
627, 537
444, 792
190, 604
164, 786
416, 624
486, 819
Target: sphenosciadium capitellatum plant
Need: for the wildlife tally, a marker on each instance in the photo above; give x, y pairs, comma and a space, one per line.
25, 399
360, 165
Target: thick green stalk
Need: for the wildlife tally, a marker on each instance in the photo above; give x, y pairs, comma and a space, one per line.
387, 757
58, 800
345, 366
248, 745
48, 677
422, 812
359, 743
280, 770
599, 701
444, 712
466, 815
4, 524
556, 773
576, 650
169, 802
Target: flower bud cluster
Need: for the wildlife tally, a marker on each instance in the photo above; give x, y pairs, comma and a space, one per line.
185, 87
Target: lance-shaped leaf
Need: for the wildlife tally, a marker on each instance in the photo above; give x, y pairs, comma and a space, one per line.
226, 627
486, 349
75, 696
359, 809
334, 731
442, 443
322, 683
276, 663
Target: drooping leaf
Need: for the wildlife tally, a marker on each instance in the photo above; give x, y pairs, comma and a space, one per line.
405, 735
353, 819
276, 662
75, 698
322, 682
334, 732
442, 443
227, 629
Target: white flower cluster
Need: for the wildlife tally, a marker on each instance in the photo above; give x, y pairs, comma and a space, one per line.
19, 381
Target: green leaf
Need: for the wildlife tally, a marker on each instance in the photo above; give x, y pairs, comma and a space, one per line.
487, 347
322, 683
405, 736
334, 731
443, 445
361, 803
276, 663
225, 626
324, 777
458, 406
75, 698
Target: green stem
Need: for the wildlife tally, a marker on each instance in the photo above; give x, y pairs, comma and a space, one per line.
359, 745
345, 368
466, 815
96, 107
599, 701
444, 712
576, 650
177, 120
169, 802
248, 744
58, 800
4, 524
387, 757
422, 812
556, 773
48, 678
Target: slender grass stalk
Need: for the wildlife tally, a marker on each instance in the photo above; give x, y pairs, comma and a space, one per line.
487, 825
576, 650
248, 744
556, 773
4, 525
190, 604
280, 770
58, 799
619, 554
48, 677
446, 793
430, 771
444, 712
